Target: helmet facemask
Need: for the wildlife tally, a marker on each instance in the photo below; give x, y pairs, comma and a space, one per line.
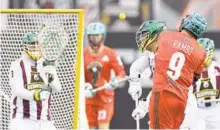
95, 41
209, 57
33, 50
209, 46
141, 40
96, 33
144, 42
148, 33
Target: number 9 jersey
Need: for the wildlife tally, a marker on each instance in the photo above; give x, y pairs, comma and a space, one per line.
177, 59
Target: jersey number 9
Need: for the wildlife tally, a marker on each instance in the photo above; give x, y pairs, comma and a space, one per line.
175, 66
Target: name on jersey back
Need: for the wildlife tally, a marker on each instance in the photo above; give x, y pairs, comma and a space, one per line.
185, 47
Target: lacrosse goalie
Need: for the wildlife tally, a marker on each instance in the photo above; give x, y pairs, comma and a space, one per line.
32, 84
138, 70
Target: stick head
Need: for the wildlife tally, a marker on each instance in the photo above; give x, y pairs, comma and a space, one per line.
54, 39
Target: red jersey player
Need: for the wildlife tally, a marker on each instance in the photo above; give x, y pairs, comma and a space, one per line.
178, 60
99, 60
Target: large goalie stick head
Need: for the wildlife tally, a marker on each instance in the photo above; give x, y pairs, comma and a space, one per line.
54, 39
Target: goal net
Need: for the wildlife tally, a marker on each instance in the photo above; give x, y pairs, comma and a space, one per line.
66, 111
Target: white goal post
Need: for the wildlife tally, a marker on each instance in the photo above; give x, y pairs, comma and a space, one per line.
67, 106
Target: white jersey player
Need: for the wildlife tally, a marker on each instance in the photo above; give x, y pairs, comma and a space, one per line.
139, 70
207, 89
32, 84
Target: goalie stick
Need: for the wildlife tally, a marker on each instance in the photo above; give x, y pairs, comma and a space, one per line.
103, 87
54, 39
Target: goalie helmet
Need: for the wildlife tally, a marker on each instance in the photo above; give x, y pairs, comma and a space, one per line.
96, 33
209, 46
32, 48
148, 33
195, 23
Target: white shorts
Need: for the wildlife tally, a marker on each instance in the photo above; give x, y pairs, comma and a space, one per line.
28, 124
207, 118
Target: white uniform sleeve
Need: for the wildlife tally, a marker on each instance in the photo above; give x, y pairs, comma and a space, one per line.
17, 83
139, 66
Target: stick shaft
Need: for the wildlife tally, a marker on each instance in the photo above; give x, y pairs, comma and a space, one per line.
103, 87
137, 119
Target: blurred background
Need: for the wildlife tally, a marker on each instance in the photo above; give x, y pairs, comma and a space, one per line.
122, 18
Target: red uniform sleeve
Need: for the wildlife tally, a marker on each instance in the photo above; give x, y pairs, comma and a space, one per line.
117, 65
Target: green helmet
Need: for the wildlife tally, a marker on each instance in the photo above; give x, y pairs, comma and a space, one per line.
195, 23
30, 38
32, 48
209, 46
148, 33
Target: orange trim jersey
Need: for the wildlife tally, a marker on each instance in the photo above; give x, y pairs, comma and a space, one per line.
177, 59
109, 60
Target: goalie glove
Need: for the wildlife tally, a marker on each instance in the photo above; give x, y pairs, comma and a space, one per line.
50, 72
141, 110
53, 80
89, 91
41, 94
135, 90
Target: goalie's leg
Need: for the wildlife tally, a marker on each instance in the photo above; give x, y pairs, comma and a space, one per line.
23, 124
47, 125
213, 117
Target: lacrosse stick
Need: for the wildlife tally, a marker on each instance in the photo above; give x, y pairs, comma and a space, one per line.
208, 101
103, 87
54, 39
137, 118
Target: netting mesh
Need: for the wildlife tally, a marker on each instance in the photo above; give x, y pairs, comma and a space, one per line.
12, 32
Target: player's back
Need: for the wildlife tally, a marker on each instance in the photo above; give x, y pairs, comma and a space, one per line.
177, 59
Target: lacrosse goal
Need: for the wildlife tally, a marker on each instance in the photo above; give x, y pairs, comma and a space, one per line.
66, 111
